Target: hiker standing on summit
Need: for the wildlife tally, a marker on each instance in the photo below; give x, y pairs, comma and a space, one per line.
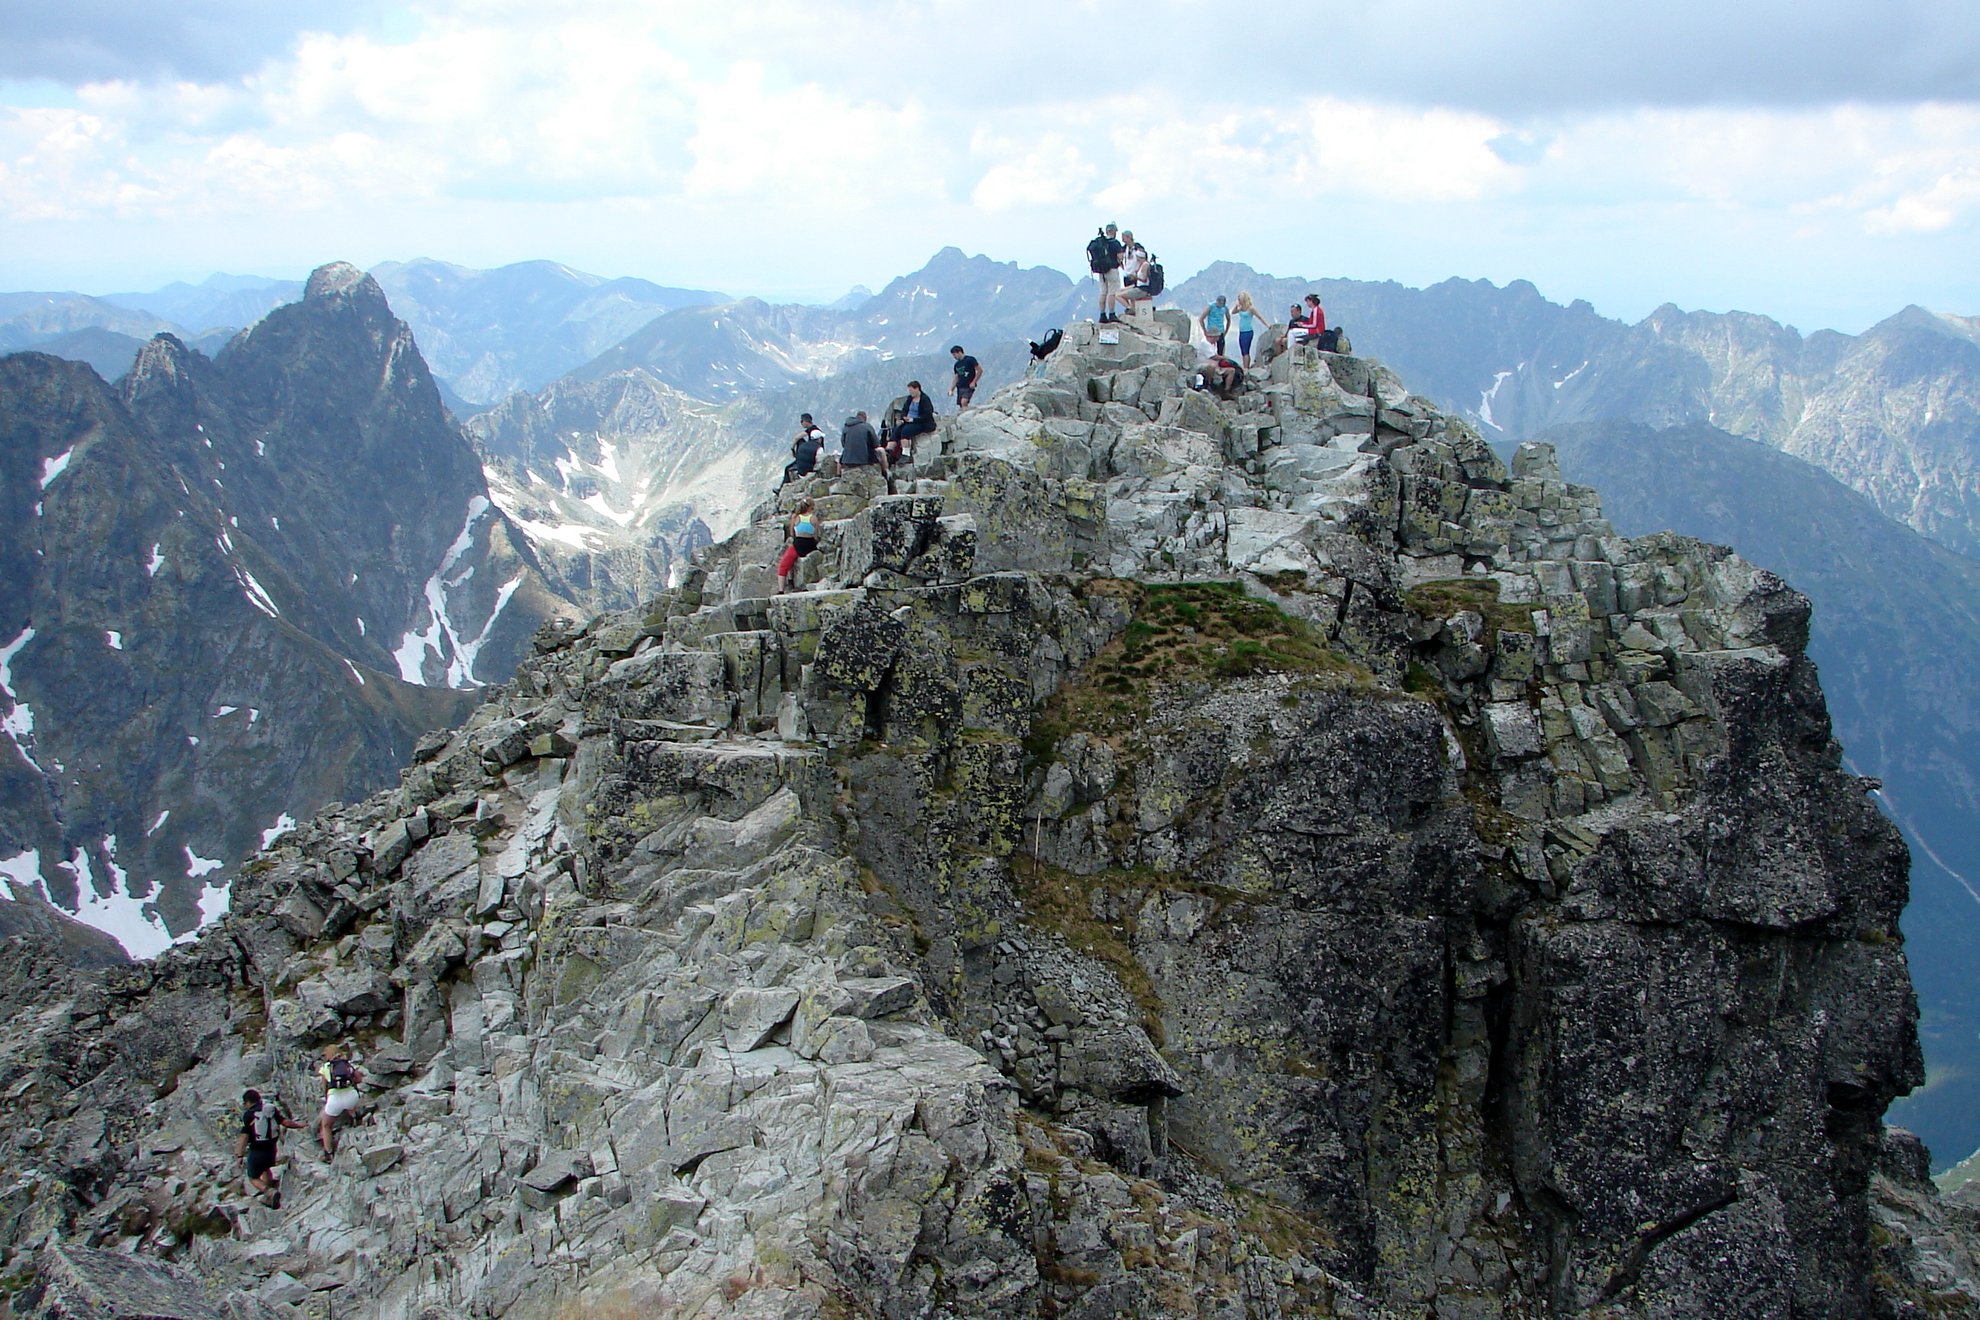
968, 372
1103, 258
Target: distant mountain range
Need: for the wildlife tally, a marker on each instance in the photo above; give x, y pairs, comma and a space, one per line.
232, 590
486, 333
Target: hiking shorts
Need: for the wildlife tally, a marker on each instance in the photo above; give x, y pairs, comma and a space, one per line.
963, 395
340, 1102
260, 1159
1110, 281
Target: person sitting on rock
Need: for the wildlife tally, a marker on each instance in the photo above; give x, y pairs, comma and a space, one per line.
341, 1079
1309, 323
916, 417
803, 541
1146, 287
804, 450
1134, 258
262, 1122
859, 446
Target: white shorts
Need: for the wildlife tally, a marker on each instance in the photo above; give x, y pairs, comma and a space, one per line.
341, 1101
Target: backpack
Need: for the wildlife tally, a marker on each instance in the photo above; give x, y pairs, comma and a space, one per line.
1152, 280
264, 1126
1341, 343
1099, 255
342, 1075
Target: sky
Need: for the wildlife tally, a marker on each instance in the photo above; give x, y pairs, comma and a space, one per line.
1818, 162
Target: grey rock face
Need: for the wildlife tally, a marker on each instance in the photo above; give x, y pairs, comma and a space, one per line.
1144, 904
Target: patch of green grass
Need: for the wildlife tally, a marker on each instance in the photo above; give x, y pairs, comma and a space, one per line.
1178, 633
1286, 582
1448, 596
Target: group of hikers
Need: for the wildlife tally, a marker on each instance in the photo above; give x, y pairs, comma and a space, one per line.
888, 447
263, 1122
1129, 277
907, 419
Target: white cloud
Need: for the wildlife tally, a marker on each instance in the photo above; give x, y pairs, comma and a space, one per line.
1950, 199
1053, 172
683, 143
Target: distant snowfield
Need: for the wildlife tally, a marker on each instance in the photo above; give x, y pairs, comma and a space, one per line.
442, 637
18, 723
129, 921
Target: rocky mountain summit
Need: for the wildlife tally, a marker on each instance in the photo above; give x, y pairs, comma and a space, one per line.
1170, 859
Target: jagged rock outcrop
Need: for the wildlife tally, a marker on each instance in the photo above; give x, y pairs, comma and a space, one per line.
1171, 859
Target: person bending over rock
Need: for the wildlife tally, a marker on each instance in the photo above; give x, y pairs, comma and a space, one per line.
1222, 377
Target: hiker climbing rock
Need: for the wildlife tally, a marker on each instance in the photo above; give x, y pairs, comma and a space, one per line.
803, 541
341, 1079
262, 1122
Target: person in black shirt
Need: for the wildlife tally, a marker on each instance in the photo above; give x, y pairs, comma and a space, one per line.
859, 446
917, 418
1103, 258
804, 451
968, 372
262, 1122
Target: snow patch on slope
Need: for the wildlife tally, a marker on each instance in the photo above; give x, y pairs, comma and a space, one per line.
56, 466
18, 724
1485, 400
440, 637
132, 922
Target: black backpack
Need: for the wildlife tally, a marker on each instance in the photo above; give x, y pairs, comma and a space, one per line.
342, 1074
1099, 255
1155, 277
